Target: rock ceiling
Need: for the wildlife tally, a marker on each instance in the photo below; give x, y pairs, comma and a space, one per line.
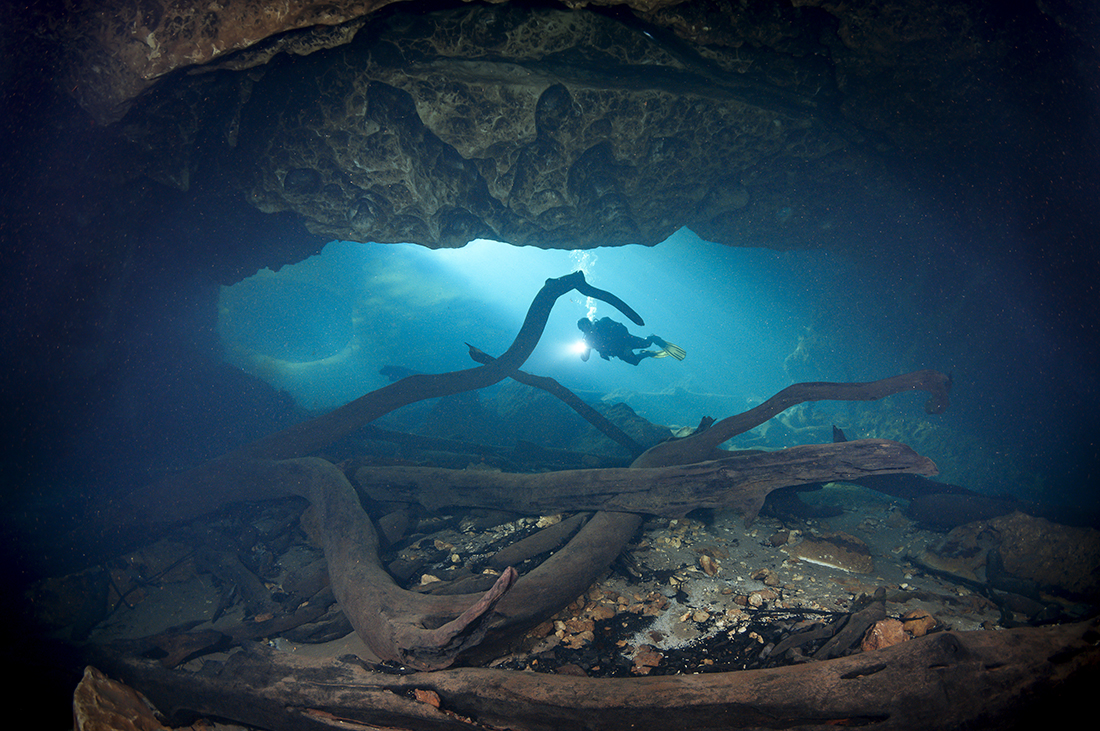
747, 120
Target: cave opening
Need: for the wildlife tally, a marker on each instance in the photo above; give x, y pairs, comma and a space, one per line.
322, 329
356, 316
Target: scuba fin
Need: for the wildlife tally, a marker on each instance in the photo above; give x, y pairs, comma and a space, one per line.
667, 349
674, 350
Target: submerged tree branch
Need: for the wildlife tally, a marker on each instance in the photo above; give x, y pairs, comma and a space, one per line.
703, 445
432, 631
571, 400
426, 632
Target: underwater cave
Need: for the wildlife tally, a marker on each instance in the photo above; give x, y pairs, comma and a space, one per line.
302, 307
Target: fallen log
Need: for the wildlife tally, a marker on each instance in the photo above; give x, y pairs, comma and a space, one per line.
545, 540
421, 631
432, 631
741, 481
944, 681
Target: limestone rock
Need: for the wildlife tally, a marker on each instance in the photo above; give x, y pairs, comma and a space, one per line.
835, 550
103, 704
540, 127
1049, 554
750, 122
884, 633
117, 49
963, 551
1022, 553
646, 658
918, 622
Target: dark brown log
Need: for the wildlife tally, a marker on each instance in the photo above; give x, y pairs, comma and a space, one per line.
703, 445
421, 631
741, 482
563, 577
945, 681
432, 631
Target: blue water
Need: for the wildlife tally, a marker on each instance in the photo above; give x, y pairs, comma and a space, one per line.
752, 320
322, 329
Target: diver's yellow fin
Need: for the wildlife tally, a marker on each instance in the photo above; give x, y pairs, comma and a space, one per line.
659, 354
674, 350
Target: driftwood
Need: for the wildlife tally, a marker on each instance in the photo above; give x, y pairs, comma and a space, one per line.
741, 482
703, 445
945, 681
421, 631
431, 631
547, 539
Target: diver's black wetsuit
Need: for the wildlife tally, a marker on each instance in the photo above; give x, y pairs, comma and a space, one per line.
613, 340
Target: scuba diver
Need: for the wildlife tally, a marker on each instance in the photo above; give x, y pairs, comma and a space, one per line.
613, 340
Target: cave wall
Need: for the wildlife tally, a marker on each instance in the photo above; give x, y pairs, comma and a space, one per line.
787, 125
538, 127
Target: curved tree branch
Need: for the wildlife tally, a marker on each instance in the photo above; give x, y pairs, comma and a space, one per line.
703, 445
431, 631
571, 400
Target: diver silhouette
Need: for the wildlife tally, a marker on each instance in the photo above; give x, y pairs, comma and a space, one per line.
613, 340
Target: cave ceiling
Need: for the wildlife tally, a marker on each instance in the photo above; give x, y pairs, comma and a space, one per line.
752, 122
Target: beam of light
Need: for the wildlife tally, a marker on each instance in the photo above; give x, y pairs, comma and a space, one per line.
738, 312
585, 261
